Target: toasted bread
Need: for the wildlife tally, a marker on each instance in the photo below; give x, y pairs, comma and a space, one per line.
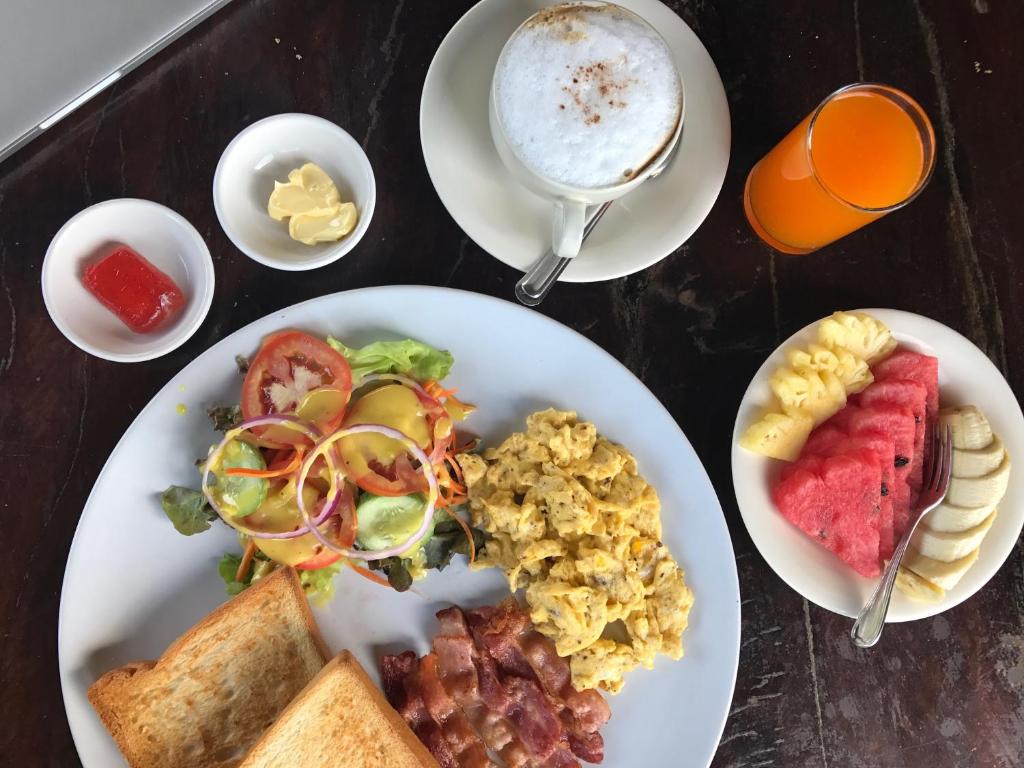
340, 720
217, 688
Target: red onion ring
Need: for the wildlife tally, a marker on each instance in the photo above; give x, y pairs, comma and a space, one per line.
425, 467
292, 422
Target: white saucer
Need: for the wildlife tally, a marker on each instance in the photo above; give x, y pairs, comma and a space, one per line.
264, 153
511, 223
966, 377
158, 234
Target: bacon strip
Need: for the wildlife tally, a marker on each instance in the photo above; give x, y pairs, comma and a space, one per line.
458, 672
493, 680
466, 746
508, 636
537, 724
402, 690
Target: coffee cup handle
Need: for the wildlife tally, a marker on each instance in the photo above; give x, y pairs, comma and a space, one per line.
567, 230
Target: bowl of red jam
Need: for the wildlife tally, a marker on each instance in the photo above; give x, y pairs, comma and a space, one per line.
128, 280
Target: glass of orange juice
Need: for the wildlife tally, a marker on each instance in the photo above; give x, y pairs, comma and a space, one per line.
867, 149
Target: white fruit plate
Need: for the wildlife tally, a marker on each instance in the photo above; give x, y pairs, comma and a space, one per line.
966, 377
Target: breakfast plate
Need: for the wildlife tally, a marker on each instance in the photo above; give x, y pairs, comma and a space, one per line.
966, 376
133, 584
514, 225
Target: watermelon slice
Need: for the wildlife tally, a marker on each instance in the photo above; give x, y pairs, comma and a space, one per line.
907, 364
898, 424
829, 440
836, 501
905, 394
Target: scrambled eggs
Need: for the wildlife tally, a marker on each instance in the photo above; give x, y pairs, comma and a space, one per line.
575, 525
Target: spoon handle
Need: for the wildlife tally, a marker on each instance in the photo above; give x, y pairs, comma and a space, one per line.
545, 271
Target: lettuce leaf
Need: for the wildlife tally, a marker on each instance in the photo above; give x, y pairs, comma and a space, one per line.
187, 509
319, 584
408, 358
449, 539
397, 571
228, 568
225, 417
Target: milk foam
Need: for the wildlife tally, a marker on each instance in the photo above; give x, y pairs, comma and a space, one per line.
587, 95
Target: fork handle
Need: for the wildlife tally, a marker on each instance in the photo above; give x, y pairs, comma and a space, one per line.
868, 626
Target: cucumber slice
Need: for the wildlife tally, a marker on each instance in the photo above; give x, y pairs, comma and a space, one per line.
239, 496
387, 521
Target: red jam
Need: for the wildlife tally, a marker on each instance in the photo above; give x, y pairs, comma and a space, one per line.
142, 296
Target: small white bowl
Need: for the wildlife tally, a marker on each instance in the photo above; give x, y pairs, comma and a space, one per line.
162, 237
264, 153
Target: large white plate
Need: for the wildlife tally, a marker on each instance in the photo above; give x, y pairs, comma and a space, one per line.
514, 225
966, 377
133, 585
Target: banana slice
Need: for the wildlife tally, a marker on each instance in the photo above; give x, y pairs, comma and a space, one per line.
916, 588
980, 491
979, 462
971, 429
948, 546
943, 575
949, 518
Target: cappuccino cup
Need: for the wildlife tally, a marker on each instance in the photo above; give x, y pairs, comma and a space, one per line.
585, 103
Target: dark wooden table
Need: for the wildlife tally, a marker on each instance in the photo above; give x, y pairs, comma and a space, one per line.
948, 691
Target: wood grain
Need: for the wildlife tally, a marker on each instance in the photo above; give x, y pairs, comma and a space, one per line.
948, 691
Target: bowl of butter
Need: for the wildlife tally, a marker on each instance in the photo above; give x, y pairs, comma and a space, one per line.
294, 191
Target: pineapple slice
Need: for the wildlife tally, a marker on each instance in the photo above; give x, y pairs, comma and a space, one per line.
856, 332
815, 384
778, 435
851, 370
818, 394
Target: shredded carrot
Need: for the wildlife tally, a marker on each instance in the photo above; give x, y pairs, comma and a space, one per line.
469, 534
246, 562
466, 447
450, 459
436, 391
368, 574
285, 470
348, 521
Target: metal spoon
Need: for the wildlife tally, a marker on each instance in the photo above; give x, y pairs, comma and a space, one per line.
545, 271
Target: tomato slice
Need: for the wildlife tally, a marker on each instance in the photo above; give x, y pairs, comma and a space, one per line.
324, 556
289, 366
341, 528
399, 478
379, 464
305, 552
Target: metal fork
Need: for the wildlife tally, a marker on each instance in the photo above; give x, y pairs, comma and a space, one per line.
868, 626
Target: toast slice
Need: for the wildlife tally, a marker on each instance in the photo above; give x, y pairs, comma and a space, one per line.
217, 688
340, 720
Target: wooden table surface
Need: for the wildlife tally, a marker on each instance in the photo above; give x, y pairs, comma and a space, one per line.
947, 691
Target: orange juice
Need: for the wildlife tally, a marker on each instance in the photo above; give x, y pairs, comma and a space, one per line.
865, 151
